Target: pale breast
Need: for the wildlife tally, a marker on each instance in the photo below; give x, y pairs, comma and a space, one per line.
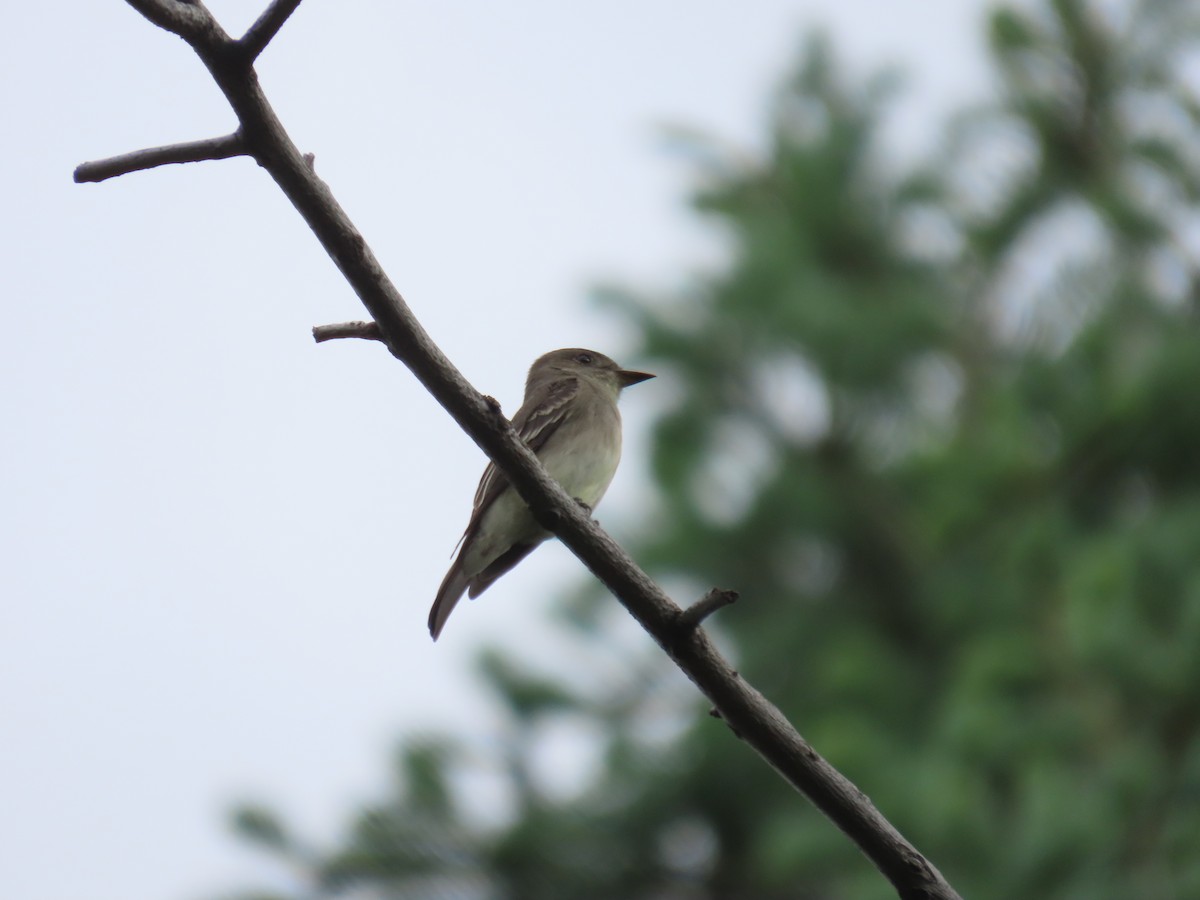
582, 455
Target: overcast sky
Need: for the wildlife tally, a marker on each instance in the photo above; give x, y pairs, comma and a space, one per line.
218, 541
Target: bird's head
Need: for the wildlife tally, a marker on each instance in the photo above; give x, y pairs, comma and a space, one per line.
595, 367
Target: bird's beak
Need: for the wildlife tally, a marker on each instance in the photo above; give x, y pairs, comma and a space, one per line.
626, 377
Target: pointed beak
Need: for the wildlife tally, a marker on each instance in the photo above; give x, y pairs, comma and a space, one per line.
627, 378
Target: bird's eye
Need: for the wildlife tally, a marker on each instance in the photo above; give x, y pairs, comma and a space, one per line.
585, 359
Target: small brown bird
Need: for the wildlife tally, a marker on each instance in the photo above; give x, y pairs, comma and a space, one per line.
569, 418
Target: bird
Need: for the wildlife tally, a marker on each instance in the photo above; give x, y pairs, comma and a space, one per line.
569, 419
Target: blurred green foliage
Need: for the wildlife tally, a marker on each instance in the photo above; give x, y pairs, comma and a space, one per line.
939, 425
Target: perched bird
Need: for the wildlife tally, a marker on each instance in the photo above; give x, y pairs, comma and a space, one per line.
569, 418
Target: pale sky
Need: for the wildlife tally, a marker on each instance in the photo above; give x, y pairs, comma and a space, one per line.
219, 541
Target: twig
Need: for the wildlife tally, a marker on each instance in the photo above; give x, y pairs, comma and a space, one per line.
191, 151
258, 35
749, 713
367, 331
689, 620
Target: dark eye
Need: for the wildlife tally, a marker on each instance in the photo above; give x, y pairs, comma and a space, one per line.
585, 359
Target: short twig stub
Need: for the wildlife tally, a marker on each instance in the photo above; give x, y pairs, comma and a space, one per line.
692, 617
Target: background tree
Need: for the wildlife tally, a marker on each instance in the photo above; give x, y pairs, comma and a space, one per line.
938, 427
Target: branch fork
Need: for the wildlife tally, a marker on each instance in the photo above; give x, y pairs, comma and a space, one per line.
189, 19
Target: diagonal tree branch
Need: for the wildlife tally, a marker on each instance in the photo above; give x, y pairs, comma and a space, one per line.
192, 151
755, 720
258, 35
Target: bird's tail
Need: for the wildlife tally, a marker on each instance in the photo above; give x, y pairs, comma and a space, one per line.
454, 585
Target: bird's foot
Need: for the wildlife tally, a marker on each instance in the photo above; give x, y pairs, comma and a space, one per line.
587, 509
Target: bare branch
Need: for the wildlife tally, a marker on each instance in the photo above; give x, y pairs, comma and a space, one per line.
752, 717
182, 17
192, 151
367, 331
689, 621
258, 35
691, 618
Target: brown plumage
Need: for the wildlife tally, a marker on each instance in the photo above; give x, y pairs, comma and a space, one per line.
569, 418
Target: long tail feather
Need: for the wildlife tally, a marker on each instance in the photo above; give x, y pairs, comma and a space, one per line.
454, 585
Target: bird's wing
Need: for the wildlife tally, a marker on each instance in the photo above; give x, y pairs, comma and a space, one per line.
536, 420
